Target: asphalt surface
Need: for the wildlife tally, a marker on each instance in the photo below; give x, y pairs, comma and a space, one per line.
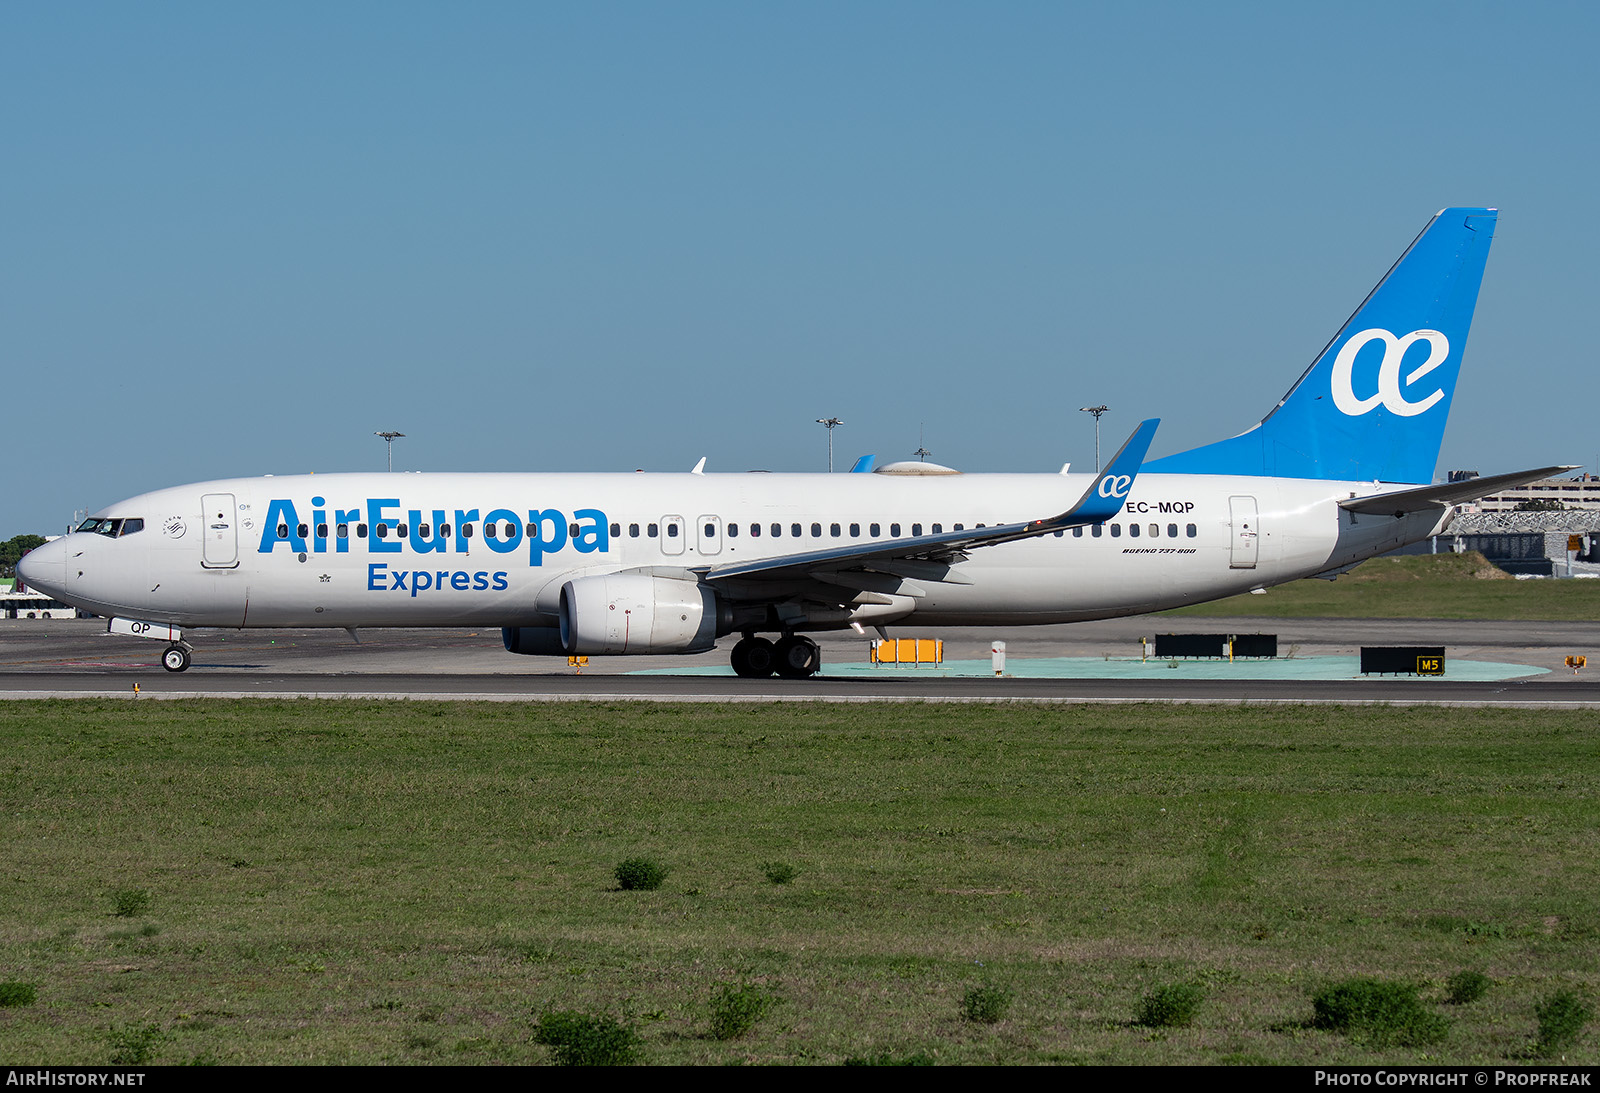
51, 658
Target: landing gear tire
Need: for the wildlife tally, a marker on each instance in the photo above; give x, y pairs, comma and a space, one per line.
175, 659
796, 657
754, 658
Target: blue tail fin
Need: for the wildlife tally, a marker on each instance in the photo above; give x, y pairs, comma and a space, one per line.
1373, 405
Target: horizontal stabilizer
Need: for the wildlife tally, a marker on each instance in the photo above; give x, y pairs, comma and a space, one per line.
1445, 494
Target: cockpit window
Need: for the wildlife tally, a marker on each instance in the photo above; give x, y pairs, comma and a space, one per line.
112, 529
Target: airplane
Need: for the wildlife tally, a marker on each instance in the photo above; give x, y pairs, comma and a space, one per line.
1340, 470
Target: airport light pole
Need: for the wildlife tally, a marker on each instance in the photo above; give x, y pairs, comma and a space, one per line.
1096, 411
389, 437
830, 423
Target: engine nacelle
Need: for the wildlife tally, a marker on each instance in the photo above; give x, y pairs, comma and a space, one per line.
623, 613
533, 641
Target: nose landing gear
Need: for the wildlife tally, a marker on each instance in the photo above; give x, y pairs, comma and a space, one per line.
176, 656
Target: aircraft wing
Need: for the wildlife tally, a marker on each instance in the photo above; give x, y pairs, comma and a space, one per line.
929, 557
1445, 494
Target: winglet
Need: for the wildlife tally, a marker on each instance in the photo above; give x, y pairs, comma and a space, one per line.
864, 464
700, 467
1104, 497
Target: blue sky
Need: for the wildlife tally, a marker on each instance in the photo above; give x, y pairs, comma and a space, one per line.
241, 238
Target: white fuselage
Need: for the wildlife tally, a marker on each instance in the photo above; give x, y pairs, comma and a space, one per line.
212, 554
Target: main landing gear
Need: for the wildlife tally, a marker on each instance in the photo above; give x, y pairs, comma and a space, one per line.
176, 656
792, 657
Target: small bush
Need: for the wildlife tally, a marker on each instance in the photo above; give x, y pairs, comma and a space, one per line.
133, 1045
1379, 1012
640, 875
583, 1039
18, 994
985, 1005
779, 872
130, 902
1561, 1017
1466, 986
735, 1010
1169, 1007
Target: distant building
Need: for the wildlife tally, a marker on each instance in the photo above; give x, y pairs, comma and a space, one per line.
1582, 492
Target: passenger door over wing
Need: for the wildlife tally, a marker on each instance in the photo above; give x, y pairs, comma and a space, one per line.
673, 534
710, 529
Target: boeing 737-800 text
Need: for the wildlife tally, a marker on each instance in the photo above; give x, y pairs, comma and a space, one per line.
668, 563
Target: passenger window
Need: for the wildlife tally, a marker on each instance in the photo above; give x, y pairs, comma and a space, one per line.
777, 531
633, 531
958, 527
855, 531
1133, 530
711, 530
833, 529
1155, 530
894, 530
916, 529
1077, 532
733, 530
511, 531
400, 531
1172, 531
466, 531
755, 531
672, 531
652, 531
874, 530
1059, 533
283, 531
422, 531
444, 531
322, 531
1191, 531
794, 530
572, 531
938, 529
616, 531
343, 530
1116, 531
1098, 530
816, 531
490, 531
361, 531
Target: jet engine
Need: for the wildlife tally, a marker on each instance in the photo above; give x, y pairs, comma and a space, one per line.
621, 613
533, 641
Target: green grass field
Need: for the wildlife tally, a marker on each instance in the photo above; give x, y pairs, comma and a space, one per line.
1424, 586
358, 882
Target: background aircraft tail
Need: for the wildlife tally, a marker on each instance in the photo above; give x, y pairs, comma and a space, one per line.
1373, 405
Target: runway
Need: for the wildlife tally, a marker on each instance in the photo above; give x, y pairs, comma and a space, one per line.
76, 658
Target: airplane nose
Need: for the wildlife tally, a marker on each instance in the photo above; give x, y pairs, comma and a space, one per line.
44, 568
